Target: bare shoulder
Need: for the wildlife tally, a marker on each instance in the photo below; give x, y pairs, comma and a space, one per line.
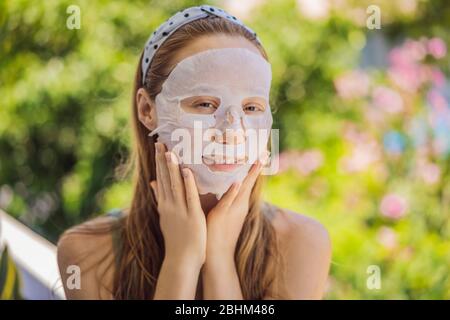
290, 225
305, 249
85, 256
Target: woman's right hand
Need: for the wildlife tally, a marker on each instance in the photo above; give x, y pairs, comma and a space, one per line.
181, 217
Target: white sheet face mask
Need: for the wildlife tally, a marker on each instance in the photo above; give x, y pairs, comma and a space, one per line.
234, 84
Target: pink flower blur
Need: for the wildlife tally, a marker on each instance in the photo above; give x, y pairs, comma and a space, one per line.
352, 84
406, 67
387, 237
437, 77
387, 99
415, 49
437, 101
365, 150
430, 173
393, 206
314, 10
308, 162
303, 162
437, 48
409, 77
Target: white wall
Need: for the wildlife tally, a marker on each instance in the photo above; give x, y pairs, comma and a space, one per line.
35, 258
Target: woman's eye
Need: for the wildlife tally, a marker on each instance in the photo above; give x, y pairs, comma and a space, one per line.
205, 105
252, 108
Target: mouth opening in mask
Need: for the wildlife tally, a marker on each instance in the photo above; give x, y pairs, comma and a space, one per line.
196, 146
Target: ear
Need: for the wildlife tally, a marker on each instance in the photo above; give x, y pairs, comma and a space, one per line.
146, 109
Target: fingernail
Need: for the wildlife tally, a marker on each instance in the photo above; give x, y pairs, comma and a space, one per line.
185, 172
174, 158
156, 147
168, 156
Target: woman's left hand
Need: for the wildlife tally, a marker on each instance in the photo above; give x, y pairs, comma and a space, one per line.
224, 222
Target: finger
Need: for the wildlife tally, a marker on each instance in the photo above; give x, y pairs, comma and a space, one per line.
191, 191
250, 179
163, 170
227, 199
154, 186
176, 182
159, 179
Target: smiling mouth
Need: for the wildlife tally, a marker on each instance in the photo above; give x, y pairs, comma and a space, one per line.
220, 163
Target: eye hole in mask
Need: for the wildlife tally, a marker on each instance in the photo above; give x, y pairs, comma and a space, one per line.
200, 104
254, 105
209, 105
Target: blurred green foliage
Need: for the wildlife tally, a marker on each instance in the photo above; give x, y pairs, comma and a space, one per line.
65, 100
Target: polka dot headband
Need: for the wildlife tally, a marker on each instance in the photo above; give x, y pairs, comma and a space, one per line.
176, 21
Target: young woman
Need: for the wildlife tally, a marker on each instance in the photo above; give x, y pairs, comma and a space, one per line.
173, 242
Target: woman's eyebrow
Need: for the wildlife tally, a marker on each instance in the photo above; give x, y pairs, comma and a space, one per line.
199, 97
257, 99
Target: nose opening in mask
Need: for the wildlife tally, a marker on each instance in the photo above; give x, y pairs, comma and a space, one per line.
229, 136
229, 118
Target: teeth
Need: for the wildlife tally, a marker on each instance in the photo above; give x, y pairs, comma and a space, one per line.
242, 160
208, 161
220, 159
230, 161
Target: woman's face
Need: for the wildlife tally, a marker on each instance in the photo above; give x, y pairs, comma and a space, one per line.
221, 84
208, 104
